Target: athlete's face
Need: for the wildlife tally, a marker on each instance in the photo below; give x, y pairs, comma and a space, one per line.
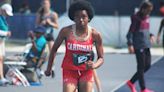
147, 11
81, 18
46, 4
38, 34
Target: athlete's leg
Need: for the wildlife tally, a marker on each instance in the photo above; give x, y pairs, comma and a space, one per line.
86, 81
50, 44
139, 75
97, 81
147, 59
163, 43
85, 86
69, 87
147, 67
70, 79
1, 67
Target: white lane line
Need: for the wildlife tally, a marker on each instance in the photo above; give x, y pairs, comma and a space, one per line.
155, 61
119, 86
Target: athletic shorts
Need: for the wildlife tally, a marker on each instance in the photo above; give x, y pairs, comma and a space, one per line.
2, 47
49, 37
75, 76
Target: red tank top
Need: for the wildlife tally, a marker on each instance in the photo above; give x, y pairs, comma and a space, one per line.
75, 46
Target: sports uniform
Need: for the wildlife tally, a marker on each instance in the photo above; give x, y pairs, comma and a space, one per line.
72, 72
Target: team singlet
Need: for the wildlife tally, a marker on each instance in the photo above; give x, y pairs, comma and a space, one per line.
78, 47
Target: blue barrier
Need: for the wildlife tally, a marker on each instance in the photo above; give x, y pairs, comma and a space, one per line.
20, 25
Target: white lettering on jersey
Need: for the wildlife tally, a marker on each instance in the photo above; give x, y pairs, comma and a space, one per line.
77, 47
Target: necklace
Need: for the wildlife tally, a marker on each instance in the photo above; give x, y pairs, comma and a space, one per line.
81, 38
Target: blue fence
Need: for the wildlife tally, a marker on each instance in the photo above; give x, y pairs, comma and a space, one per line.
112, 28
20, 25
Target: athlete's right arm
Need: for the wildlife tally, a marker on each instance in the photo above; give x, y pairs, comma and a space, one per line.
129, 35
58, 42
130, 42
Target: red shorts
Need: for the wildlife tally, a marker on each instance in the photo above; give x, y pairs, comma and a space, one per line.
75, 76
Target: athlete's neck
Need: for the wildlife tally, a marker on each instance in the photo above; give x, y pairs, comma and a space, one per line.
81, 29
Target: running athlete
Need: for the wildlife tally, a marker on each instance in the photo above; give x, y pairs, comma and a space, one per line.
79, 40
139, 42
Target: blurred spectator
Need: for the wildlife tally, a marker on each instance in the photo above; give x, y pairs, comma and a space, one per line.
161, 25
139, 42
5, 10
25, 9
38, 44
47, 18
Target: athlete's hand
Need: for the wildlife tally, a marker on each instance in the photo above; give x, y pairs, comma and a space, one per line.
90, 64
31, 34
131, 49
152, 39
47, 73
43, 22
48, 21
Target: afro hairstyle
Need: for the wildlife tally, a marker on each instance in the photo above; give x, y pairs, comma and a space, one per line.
81, 5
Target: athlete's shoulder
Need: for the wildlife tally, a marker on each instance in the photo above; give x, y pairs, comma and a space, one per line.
66, 29
94, 31
55, 13
96, 35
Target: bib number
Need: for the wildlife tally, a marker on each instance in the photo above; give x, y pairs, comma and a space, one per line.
79, 59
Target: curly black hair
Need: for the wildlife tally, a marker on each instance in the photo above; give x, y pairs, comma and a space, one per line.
81, 5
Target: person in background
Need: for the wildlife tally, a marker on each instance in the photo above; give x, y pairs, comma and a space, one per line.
38, 43
5, 10
35, 54
25, 9
161, 26
47, 18
139, 42
79, 40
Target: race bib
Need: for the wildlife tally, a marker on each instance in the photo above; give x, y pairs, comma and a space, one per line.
79, 59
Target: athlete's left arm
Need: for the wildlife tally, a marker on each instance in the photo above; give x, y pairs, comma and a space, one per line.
99, 48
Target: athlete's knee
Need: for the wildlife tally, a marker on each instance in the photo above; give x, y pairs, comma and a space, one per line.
85, 86
140, 71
